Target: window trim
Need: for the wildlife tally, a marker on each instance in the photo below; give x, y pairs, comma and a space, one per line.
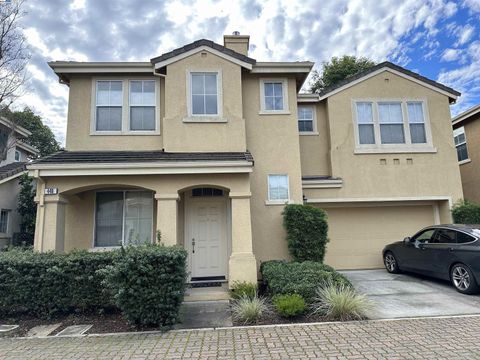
314, 119
201, 118
125, 106
7, 227
408, 146
286, 109
270, 201
106, 248
457, 130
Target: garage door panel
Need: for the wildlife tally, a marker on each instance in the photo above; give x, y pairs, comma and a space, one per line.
358, 234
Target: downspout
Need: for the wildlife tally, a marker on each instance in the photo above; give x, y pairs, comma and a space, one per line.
40, 200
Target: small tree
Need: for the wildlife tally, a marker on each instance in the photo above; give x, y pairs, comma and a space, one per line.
307, 230
338, 69
466, 212
27, 209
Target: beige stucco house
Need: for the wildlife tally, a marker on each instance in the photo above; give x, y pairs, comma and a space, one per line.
17, 154
206, 145
466, 132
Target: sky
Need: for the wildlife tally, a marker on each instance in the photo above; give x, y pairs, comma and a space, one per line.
439, 39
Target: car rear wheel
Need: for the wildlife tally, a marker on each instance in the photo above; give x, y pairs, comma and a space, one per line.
391, 263
463, 279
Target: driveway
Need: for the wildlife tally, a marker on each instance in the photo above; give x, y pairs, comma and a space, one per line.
408, 295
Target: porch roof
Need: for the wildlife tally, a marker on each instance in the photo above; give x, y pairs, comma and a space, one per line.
11, 169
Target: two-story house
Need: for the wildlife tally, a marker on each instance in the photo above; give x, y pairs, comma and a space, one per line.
205, 145
16, 154
466, 133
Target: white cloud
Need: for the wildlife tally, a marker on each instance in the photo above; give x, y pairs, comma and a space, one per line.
465, 34
450, 54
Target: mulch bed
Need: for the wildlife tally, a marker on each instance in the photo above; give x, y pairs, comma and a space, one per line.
108, 322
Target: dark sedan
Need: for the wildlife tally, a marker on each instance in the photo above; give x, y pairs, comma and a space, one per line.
449, 252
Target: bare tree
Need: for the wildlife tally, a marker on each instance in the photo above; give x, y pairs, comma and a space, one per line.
13, 62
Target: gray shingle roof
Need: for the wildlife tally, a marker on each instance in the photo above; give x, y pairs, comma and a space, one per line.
65, 157
391, 66
11, 169
203, 42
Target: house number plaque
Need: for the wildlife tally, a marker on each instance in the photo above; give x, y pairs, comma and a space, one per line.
51, 191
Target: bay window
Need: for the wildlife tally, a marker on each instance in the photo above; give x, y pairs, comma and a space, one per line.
123, 218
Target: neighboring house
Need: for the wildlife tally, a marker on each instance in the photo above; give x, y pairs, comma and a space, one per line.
18, 153
203, 144
466, 133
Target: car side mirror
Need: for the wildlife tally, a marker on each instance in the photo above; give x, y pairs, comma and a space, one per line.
407, 240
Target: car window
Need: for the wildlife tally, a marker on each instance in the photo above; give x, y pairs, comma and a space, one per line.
464, 238
445, 236
424, 236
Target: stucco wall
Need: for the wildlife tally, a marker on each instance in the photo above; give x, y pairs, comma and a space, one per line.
9, 200
80, 118
471, 171
364, 175
274, 142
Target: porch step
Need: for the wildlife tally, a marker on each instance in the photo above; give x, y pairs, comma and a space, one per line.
207, 293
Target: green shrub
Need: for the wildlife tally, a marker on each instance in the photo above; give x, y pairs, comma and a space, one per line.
466, 212
307, 229
289, 305
249, 310
49, 283
148, 283
340, 302
243, 288
303, 278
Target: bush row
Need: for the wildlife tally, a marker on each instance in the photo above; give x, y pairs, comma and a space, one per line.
302, 278
146, 283
466, 212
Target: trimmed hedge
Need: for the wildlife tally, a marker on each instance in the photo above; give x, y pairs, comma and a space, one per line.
148, 283
289, 305
303, 278
44, 284
466, 212
307, 230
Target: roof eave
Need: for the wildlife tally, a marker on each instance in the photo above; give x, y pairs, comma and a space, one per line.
466, 115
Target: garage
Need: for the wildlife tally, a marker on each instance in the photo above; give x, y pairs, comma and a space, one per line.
358, 233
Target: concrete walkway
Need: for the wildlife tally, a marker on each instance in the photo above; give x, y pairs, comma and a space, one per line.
425, 338
408, 295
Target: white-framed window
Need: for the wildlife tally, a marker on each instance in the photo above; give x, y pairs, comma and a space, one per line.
123, 218
204, 94
391, 126
142, 105
460, 140
18, 155
125, 106
306, 119
4, 217
278, 188
108, 105
274, 96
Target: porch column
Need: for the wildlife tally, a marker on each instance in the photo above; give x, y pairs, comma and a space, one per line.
167, 210
242, 263
51, 233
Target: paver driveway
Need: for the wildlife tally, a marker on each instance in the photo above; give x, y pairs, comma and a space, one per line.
408, 295
421, 338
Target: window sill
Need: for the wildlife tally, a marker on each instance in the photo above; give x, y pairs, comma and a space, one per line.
278, 202
396, 150
124, 133
274, 112
104, 248
307, 133
465, 161
204, 119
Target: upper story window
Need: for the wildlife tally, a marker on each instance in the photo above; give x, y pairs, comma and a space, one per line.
204, 93
109, 105
273, 96
306, 119
461, 144
142, 105
383, 126
126, 106
17, 155
4, 215
278, 189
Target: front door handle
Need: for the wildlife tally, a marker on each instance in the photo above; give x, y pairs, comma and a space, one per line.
193, 245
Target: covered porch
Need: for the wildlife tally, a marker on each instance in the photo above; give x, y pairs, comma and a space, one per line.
202, 205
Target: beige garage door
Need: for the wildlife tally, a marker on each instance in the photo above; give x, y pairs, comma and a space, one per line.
358, 234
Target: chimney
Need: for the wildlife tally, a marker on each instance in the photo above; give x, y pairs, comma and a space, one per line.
237, 42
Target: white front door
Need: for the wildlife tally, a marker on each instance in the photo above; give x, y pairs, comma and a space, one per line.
207, 237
